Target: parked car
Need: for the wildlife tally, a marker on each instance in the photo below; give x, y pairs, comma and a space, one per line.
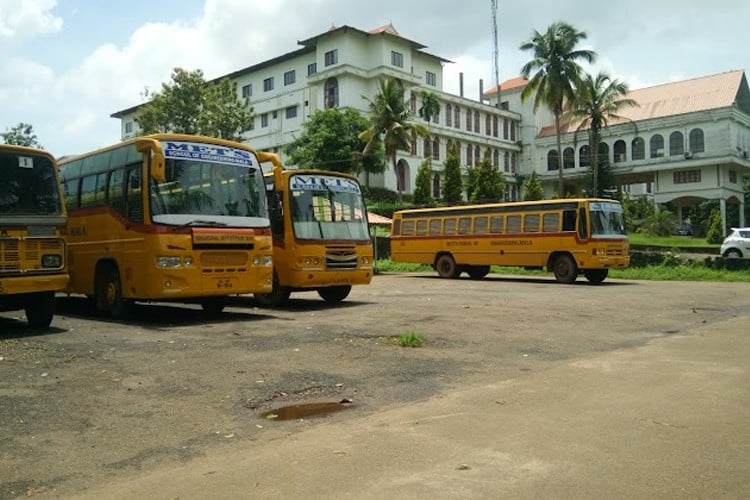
737, 244
684, 229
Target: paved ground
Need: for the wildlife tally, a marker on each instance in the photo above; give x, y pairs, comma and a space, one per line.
525, 389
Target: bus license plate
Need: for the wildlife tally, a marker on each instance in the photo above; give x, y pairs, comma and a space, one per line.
224, 283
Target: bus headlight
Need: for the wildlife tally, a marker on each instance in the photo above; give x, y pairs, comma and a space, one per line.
51, 261
311, 261
187, 261
364, 260
262, 260
168, 261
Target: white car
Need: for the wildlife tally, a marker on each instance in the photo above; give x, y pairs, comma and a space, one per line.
737, 244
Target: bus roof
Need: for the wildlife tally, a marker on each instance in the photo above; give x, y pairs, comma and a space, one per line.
508, 204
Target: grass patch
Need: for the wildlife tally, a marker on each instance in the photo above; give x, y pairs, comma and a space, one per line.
675, 241
410, 338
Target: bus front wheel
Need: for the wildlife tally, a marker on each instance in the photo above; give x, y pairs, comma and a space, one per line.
213, 305
109, 293
565, 269
334, 294
40, 310
277, 297
446, 267
478, 272
595, 276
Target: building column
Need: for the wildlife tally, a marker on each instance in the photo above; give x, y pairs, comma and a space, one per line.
742, 212
723, 209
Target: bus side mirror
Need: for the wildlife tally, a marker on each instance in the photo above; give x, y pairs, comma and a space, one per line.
158, 162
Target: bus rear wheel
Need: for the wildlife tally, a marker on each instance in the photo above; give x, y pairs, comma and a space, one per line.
478, 272
334, 294
565, 269
40, 310
446, 267
595, 276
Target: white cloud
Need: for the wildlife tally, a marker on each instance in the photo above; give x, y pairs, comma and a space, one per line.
23, 19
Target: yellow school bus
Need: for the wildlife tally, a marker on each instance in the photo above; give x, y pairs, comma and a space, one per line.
321, 239
565, 236
32, 225
168, 217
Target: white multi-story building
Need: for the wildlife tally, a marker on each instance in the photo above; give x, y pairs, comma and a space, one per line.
340, 66
685, 142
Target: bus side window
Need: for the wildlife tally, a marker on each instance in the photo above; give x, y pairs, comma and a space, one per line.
134, 201
582, 225
569, 220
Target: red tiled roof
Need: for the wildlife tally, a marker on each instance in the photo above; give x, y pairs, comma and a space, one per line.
509, 84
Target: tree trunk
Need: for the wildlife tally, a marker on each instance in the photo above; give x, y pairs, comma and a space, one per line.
594, 156
561, 186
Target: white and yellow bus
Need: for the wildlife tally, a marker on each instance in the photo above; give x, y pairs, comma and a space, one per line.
168, 217
32, 225
321, 238
565, 236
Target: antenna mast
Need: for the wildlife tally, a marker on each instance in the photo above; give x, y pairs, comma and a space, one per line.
495, 52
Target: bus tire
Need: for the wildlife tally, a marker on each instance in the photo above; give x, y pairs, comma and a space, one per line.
595, 276
478, 272
565, 269
40, 310
334, 294
213, 305
277, 297
446, 266
109, 293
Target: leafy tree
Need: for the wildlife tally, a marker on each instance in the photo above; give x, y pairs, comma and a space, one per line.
597, 101
390, 122
557, 73
330, 141
21, 135
423, 184
452, 187
659, 224
604, 175
715, 233
532, 188
488, 183
190, 105
430, 105
636, 211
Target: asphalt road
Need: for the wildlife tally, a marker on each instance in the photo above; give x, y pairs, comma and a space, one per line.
524, 389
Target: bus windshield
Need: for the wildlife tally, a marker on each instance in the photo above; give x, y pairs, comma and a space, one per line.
327, 207
606, 219
201, 190
28, 185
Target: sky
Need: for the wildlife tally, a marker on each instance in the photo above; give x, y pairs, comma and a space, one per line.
67, 65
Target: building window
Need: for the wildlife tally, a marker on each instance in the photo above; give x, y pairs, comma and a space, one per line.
552, 163
476, 121
569, 158
488, 124
506, 162
268, 84
426, 147
413, 103
495, 122
603, 153
247, 90
331, 57
457, 117
469, 154
505, 129
436, 186
496, 158
331, 93
477, 155
696, 141
436, 148
128, 127
264, 120
687, 176
397, 59
291, 112
620, 151
290, 77
430, 78
733, 176
513, 131
656, 149
676, 144
638, 148
414, 145
400, 177
468, 120
448, 115
584, 155
312, 68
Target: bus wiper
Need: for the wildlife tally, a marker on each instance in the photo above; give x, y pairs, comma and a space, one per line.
201, 222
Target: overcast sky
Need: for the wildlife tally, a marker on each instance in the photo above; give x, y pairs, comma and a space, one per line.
67, 65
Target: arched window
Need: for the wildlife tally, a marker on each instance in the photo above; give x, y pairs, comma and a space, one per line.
496, 158
638, 147
569, 158
656, 146
494, 126
584, 158
488, 124
620, 151
552, 163
457, 117
426, 147
436, 186
331, 93
697, 144
505, 128
469, 154
400, 177
436, 148
414, 145
455, 149
477, 155
602, 154
468, 120
476, 122
413, 102
506, 162
676, 144
449, 115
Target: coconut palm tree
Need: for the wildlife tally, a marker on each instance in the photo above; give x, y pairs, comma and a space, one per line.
390, 122
430, 105
557, 73
598, 100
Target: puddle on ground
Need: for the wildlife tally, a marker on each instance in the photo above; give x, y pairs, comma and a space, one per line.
294, 412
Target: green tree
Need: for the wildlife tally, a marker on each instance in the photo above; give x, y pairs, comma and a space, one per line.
716, 232
532, 188
659, 224
555, 61
330, 141
452, 187
597, 101
21, 135
190, 105
390, 122
430, 105
488, 183
423, 184
604, 176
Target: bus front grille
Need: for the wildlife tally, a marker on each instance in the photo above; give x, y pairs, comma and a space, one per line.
341, 258
19, 255
223, 262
